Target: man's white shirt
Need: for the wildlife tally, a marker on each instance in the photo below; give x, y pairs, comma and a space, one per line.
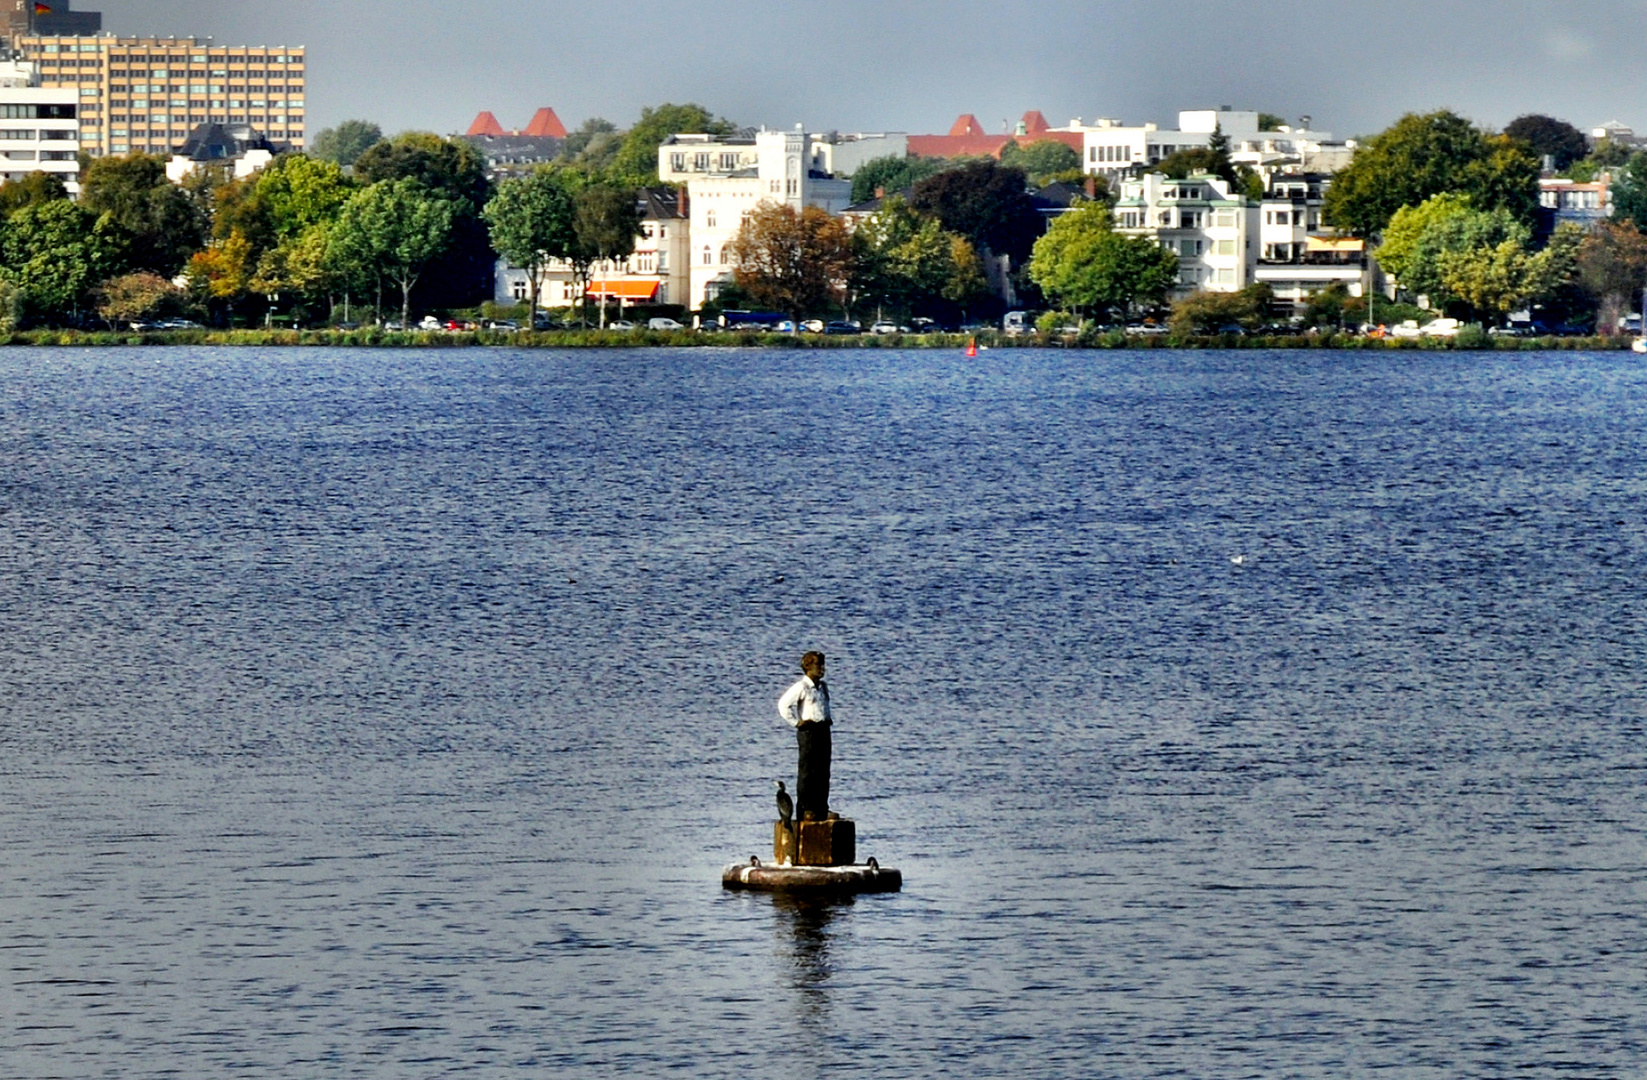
806, 700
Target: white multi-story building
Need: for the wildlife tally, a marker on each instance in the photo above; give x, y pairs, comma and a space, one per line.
1213, 230
1298, 254
1114, 149
684, 158
736, 177
39, 126
657, 272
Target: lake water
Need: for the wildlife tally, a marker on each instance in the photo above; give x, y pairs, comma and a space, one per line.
391, 714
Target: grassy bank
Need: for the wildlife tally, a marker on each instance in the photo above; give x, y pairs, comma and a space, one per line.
369, 338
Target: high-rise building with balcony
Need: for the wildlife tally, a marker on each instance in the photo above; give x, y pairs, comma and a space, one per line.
148, 93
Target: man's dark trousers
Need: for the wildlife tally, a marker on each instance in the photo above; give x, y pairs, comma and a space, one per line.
812, 775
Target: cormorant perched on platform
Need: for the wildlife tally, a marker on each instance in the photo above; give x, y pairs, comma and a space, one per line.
786, 805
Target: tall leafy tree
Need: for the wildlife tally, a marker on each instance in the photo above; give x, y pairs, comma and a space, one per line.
1424, 155
531, 222
1549, 137
453, 168
985, 202
1629, 191
33, 188
1612, 266
57, 252
1085, 264
605, 221
795, 261
165, 225
343, 145
895, 174
906, 262
1044, 161
398, 227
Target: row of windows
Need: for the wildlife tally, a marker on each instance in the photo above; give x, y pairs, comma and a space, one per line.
44, 155
1109, 153
33, 135
11, 111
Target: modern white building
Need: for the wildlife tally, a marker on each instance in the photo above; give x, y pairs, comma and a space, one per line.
1213, 230
1582, 204
684, 158
658, 272
1114, 149
774, 167
39, 126
1298, 254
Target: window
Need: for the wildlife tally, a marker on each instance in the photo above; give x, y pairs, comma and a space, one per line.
729, 162
1226, 247
57, 155
726, 255
61, 136
677, 162
17, 134
700, 162
17, 155
1225, 218
709, 219
708, 259
1224, 276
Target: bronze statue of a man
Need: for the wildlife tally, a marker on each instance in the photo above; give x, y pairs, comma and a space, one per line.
806, 707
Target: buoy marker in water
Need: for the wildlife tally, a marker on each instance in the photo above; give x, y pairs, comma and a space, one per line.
972, 346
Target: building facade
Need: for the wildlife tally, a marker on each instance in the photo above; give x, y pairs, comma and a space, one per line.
1213, 230
657, 272
39, 127
1298, 255
149, 94
1114, 150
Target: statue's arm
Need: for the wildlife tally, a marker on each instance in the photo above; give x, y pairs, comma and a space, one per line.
789, 705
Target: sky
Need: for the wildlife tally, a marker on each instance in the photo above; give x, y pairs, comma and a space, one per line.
914, 65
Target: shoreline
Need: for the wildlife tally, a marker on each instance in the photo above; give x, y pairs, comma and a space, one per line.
629, 339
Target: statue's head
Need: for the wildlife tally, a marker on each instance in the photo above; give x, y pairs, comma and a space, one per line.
813, 664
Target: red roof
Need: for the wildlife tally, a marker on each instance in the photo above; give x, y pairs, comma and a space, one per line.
966, 124
953, 146
546, 123
486, 124
1035, 123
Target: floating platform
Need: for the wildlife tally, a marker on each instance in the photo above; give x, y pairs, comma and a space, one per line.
756, 876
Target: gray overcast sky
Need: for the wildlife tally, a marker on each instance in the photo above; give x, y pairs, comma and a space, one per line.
914, 65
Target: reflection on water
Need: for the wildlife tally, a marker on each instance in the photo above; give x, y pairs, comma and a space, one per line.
806, 937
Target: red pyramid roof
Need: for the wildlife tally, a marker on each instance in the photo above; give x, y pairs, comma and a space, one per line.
968, 124
1035, 123
486, 124
546, 123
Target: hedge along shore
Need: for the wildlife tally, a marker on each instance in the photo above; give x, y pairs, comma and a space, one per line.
616, 339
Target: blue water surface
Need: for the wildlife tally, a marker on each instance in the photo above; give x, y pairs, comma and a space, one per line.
391, 714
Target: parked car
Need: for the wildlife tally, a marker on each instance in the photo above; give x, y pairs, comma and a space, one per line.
663, 324
1515, 328
177, 324
503, 324
1014, 323
1146, 329
620, 324
431, 323
888, 328
815, 326
843, 328
1438, 328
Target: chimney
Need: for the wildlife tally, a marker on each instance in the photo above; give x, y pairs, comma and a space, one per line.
880, 192
680, 202
1092, 186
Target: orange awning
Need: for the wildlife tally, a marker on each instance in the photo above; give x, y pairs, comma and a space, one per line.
623, 290
1334, 244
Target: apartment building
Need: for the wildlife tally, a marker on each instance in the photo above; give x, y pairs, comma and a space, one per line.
39, 129
148, 94
1114, 149
1299, 255
728, 178
658, 272
684, 158
1213, 230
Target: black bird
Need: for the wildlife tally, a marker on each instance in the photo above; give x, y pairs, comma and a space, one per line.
786, 805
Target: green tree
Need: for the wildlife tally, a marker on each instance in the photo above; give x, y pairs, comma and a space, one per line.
984, 201
895, 174
32, 189
1086, 265
580, 139
636, 162
605, 221
1209, 312
56, 253
164, 223
1399, 248
531, 222
1042, 162
399, 227
452, 168
795, 261
1629, 190
297, 193
1493, 281
1548, 137
1271, 122
905, 262
343, 145
1424, 155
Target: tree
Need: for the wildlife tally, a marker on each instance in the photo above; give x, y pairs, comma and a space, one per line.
296, 193
579, 140
531, 222
1399, 249
136, 297
1493, 281
1271, 122
1452, 233
1549, 137
895, 174
452, 168
605, 221
1612, 266
57, 252
165, 224
906, 262
33, 189
636, 163
399, 227
1210, 312
796, 261
1629, 190
984, 201
1042, 162
1424, 155
343, 145
224, 270
1086, 265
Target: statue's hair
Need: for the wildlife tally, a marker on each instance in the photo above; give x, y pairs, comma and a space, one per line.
810, 659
